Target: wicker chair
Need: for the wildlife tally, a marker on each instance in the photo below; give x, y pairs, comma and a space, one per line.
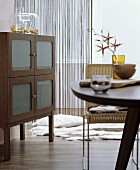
113, 117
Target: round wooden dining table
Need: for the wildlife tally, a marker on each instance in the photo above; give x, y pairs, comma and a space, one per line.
125, 96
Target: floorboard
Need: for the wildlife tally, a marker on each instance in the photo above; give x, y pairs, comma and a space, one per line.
36, 153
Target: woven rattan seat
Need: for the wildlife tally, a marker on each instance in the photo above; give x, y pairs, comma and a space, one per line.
106, 117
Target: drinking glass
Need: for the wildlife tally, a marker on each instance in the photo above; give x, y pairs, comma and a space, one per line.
100, 83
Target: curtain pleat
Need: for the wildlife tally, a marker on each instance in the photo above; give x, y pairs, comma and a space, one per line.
69, 21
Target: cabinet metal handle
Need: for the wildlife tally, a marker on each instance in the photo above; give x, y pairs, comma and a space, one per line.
34, 96
33, 55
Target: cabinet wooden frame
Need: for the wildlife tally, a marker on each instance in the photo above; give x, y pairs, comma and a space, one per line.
32, 80
33, 54
20, 81
23, 37
10, 77
44, 39
51, 107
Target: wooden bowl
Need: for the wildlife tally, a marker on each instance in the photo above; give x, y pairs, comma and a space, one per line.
125, 67
125, 71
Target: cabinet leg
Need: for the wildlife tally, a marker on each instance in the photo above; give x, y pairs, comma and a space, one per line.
51, 128
22, 131
6, 143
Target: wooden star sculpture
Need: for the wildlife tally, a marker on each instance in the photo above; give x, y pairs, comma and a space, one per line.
115, 45
107, 38
102, 48
106, 42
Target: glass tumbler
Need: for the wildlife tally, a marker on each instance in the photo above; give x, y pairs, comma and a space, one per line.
100, 83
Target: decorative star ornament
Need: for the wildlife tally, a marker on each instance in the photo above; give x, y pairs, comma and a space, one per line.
101, 48
106, 43
115, 45
107, 38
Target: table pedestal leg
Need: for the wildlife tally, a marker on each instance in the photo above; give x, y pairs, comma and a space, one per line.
128, 138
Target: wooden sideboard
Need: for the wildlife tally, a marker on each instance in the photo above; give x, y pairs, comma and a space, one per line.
27, 82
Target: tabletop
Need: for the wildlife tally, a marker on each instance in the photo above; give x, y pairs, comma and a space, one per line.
119, 96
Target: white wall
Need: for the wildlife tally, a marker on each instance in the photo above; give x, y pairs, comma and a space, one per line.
12, 133
122, 19
6, 10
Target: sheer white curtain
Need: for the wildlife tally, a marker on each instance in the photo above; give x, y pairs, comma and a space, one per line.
70, 22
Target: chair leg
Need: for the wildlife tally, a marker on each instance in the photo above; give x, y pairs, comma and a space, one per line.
84, 166
137, 166
88, 146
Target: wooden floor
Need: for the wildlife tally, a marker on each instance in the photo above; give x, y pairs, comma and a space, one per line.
36, 153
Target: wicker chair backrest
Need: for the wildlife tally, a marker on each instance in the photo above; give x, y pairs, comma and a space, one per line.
98, 69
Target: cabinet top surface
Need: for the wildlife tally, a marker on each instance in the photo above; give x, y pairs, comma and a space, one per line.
20, 34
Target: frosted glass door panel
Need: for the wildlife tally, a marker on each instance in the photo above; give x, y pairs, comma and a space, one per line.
21, 55
44, 94
21, 97
44, 55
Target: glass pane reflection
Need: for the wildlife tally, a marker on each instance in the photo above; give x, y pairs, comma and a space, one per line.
44, 94
21, 97
21, 55
44, 55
